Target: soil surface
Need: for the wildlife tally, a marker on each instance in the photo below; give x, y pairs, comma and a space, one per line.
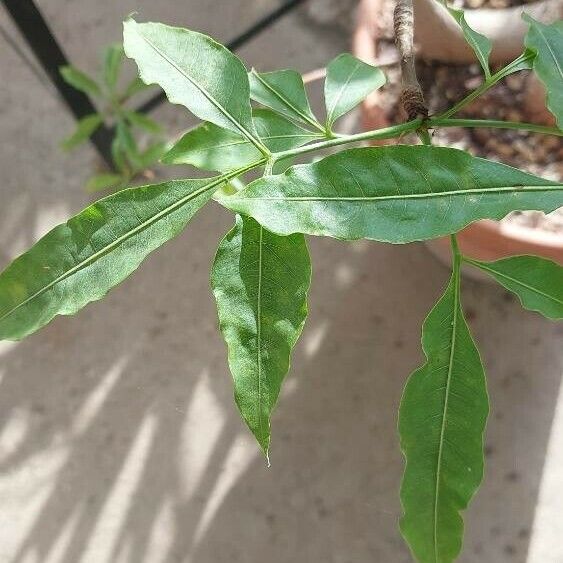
444, 84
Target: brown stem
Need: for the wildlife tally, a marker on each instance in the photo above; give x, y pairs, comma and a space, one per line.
412, 99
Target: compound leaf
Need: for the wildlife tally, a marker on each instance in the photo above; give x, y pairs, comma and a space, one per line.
81, 260
284, 92
194, 71
547, 43
348, 81
260, 281
212, 148
536, 281
395, 194
441, 423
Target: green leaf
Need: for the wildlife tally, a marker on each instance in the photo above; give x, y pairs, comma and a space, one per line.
85, 127
127, 142
395, 194
81, 260
103, 182
212, 148
112, 63
480, 44
260, 282
143, 122
118, 155
536, 281
441, 423
547, 42
348, 82
80, 80
194, 71
284, 92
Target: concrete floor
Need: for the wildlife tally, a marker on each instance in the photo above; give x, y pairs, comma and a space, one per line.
119, 439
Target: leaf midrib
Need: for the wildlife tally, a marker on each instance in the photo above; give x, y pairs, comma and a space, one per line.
446, 400
207, 95
330, 117
114, 244
431, 195
514, 280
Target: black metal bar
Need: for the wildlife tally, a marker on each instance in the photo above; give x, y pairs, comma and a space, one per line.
248, 34
36, 32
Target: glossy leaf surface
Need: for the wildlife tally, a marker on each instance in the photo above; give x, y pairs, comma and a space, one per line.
536, 281
194, 71
395, 194
212, 148
348, 82
260, 282
547, 42
441, 423
81, 260
284, 92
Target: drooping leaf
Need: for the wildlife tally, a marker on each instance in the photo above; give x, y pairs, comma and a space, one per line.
81, 260
143, 122
284, 92
536, 281
212, 148
480, 44
84, 128
395, 194
547, 42
103, 182
113, 58
441, 423
348, 82
80, 80
260, 282
194, 71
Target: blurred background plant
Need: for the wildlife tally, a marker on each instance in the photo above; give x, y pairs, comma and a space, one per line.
137, 143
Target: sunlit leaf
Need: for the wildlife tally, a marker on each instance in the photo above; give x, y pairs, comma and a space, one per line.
194, 71
81, 260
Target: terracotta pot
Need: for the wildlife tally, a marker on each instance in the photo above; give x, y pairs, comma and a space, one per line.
484, 240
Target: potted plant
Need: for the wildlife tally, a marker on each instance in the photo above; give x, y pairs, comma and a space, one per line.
261, 273
447, 62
